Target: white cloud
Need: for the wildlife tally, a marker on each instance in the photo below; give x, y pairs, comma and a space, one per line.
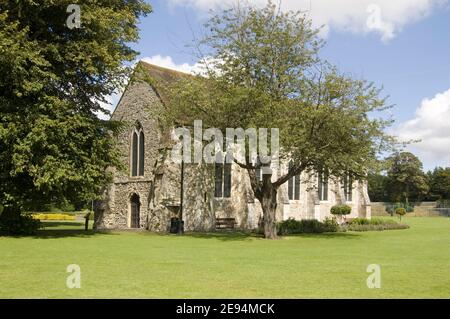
431, 125
167, 62
385, 17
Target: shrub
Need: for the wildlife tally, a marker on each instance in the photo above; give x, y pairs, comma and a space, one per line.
373, 221
292, 226
409, 208
364, 224
378, 227
18, 224
400, 211
341, 210
331, 225
64, 206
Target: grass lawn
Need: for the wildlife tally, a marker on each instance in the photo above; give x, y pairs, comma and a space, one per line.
414, 263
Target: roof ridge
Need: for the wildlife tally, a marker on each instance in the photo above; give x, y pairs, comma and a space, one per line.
164, 69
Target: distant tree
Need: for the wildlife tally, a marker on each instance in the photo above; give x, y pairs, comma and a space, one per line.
53, 79
406, 180
377, 187
439, 180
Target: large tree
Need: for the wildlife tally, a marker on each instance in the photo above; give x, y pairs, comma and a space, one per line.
377, 187
406, 179
263, 71
439, 182
53, 79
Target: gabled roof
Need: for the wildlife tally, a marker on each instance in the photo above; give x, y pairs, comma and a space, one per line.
162, 78
159, 78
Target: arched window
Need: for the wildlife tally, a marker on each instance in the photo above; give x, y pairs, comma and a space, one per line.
347, 185
141, 154
222, 180
135, 207
294, 186
322, 182
134, 155
137, 152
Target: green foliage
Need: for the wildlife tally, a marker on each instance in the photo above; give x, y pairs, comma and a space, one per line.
63, 207
372, 221
377, 187
292, 226
439, 181
341, 210
391, 209
376, 227
400, 211
13, 223
405, 175
364, 224
406, 180
54, 79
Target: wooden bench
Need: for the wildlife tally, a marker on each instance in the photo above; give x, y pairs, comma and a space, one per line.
225, 223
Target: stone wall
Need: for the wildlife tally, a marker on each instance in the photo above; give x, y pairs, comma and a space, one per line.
420, 209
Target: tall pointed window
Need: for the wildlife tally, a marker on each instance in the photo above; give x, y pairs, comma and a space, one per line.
323, 185
137, 152
222, 174
294, 186
347, 185
134, 154
141, 153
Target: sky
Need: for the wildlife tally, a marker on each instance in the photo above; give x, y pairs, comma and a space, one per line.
400, 45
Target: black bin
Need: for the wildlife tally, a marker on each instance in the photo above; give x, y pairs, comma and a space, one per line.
175, 225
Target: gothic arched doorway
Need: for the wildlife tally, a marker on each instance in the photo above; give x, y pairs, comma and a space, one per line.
135, 210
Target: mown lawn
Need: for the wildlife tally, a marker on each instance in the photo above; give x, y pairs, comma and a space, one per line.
414, 263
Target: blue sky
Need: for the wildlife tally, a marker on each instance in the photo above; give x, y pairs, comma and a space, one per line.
406, 50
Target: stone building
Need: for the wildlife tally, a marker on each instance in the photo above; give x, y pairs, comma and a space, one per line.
147, 195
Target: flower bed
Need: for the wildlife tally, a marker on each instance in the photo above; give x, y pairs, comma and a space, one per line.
54, 217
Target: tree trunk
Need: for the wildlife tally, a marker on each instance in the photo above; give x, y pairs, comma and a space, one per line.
269, 207
266, 193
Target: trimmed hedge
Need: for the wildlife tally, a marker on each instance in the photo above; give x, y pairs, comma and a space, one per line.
372, 221
371, 227
377, 224
292, 226
341, 210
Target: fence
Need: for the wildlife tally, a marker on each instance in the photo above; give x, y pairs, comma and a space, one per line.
425, 209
